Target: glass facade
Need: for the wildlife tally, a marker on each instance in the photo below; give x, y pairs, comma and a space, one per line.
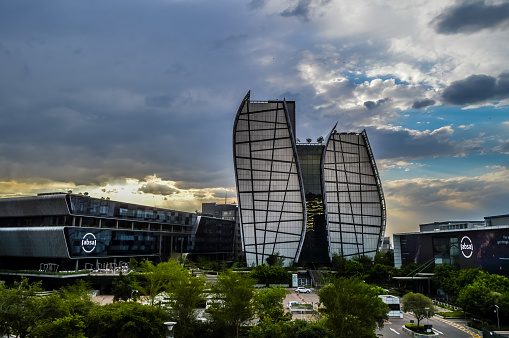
354, 201
304, 202
315, 248
269, 184
93, 242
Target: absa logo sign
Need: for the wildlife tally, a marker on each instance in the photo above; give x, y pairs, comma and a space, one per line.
466, 246
88, 242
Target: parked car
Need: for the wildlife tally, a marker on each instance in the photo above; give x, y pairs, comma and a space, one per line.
302, 289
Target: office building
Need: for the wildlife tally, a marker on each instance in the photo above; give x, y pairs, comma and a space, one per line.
229, 212
303, 201
73, 232
463, 244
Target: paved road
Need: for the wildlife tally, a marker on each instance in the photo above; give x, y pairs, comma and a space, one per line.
443, 327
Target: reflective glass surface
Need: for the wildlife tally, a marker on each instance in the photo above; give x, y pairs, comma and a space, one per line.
354, 199
269, 186
94, 242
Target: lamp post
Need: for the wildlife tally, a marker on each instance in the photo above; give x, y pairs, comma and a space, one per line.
498, 320
170, 326
427, 315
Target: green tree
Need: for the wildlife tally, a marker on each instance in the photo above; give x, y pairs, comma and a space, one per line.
232, 301
419, 305
125, 287
155, 278
477, 298
379, 273
339, 261
127, 320
352, 307
354, 269
275, 260
366, 261
185, 293
69, 326
269, 304
385, 258
297, 328
20, 309
276, 274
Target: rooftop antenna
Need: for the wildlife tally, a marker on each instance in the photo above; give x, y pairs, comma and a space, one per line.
225, 196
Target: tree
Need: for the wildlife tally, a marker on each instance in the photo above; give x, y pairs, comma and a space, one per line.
352, 307
385, 258
297, 328
419, 305
269, 304
232, 301
366, 262
339, 261
477, 298
155, 278
69, 326
275, 260
126, 320
20, 308
379, 273
354, 269
125, 287
276, 274
185, 292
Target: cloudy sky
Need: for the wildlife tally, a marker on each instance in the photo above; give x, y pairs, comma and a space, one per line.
135, 100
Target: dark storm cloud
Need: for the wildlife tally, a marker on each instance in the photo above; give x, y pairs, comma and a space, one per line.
302, 9
469, 17
372, 104
158, 189
403, 143
223, 193
419, 104
126, 94
477, 88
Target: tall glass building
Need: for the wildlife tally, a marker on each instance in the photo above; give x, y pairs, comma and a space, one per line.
303, 202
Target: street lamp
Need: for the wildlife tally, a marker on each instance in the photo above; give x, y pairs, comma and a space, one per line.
496, 310
170, 326
427, 315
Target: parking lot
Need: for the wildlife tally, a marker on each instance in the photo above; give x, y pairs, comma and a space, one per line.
302, 298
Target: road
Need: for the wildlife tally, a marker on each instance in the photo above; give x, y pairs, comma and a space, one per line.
443, 327
454, 328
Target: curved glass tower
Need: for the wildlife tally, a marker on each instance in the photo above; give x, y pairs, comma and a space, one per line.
354, 202
303, 202
269, 184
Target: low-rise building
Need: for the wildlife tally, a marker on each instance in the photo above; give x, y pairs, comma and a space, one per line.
464, 244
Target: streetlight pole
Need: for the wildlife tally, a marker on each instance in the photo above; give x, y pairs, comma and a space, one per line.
498, 320
427, 315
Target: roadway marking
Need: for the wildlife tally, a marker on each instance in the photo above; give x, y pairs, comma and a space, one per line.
458, 326
394, 330
437, 331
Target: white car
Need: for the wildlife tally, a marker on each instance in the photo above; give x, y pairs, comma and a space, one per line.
302, 289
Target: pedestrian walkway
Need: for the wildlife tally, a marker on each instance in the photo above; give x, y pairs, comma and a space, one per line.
460, 327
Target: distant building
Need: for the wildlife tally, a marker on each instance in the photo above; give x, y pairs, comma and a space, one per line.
228, 212
303, 201
386, 245
75, 232
464, 244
